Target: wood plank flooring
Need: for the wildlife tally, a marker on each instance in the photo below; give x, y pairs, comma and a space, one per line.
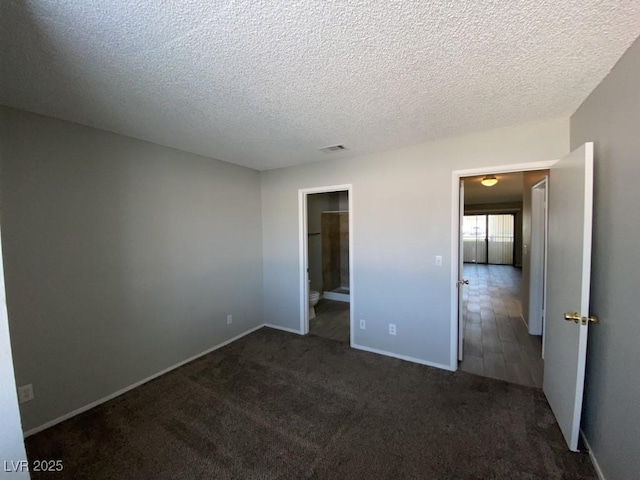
497, 343
332, 320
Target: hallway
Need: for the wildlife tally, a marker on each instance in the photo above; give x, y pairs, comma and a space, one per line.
496, 341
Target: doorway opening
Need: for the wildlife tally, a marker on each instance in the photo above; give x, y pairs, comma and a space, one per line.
326, 290
538, 253
566, 278
496, 338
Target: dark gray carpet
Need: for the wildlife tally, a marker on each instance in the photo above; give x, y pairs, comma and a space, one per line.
275, 405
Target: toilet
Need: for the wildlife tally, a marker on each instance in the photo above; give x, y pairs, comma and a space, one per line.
313, 301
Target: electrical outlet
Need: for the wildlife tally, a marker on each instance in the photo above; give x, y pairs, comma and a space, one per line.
229, 319
363, 325
392, 329
439, 260
25, 393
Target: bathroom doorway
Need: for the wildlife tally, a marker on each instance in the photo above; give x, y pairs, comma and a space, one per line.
326, 274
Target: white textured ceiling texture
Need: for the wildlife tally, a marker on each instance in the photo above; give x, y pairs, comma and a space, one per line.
265, 84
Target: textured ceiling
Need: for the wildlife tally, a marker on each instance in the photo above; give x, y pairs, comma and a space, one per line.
265, 84
510, 188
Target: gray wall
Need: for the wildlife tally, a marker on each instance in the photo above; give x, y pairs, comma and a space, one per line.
343, 201
11, 442
122, 258
610, 117
402, 219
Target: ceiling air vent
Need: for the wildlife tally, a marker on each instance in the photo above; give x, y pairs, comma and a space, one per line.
332, 148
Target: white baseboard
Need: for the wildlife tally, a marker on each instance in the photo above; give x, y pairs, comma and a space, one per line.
403, 357
89, 406
284, 329
338, 297
592, 456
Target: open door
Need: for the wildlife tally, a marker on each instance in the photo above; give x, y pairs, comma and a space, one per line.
461, 281
569, 277
538, 256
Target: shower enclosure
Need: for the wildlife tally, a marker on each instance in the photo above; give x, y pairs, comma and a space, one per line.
335, 255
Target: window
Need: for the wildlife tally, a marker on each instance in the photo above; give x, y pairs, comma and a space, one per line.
489, 239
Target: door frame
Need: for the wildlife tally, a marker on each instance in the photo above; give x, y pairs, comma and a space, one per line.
456, 176
303, 247
538, 268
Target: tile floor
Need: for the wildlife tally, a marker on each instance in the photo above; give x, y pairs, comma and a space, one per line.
332, 320
497, 343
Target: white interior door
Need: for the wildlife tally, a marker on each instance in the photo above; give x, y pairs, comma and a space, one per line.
461, 281
537, 256
569, 278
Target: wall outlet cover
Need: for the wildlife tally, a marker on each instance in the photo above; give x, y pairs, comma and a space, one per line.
392, 329
229, 319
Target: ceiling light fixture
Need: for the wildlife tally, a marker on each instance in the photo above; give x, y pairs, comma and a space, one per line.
489, 181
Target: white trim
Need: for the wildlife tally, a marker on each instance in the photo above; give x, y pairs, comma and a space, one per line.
91, 405
585, 291
402, 357
303, 252
545, 240
284, 329
596, 465
338, 297
537, 256
545, 180
514, 167
546, 265
456, 175
460, 272
352, 322
587, 234
303, 260
328, 189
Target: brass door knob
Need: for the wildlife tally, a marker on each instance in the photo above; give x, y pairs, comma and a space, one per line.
572, 316
575, 316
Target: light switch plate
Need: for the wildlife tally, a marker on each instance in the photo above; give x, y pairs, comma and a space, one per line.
25, 393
